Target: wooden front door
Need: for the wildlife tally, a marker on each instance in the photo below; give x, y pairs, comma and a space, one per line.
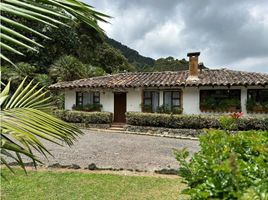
120, 107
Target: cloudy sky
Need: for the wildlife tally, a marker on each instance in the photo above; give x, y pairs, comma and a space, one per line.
229, 33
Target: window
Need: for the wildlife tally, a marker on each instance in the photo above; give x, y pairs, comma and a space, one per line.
150, 101
86, 98
172, 100
257, 100
220, 100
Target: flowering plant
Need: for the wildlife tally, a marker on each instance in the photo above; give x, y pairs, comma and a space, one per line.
236, 115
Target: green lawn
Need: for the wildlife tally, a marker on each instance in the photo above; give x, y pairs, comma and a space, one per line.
76, 185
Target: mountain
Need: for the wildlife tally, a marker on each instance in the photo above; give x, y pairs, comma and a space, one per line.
133, 57
143, 63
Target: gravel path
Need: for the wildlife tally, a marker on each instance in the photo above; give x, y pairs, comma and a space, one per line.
119, 150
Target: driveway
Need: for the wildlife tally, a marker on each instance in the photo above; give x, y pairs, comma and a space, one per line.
117, 150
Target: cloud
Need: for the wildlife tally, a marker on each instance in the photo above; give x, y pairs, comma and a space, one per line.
228, 33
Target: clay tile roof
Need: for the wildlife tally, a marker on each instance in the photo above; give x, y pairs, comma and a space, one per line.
210, 77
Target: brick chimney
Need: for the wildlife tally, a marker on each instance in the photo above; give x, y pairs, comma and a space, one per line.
193, 66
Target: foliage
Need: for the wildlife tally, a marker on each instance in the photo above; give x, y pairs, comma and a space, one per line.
88, 107
167, 110
25, 119
68, 68
85, 117
195, 121
171, 120
48, 12
230, 122
227, 166
133, 57
170, 64
17, 74
254, 106
111, 59
163, 109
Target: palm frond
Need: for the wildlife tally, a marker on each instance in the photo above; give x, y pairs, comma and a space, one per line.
24, 124
49, 12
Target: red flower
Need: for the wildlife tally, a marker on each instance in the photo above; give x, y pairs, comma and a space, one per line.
237, 115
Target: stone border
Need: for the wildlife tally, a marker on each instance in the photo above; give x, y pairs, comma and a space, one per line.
165, 132
143, 133
94, 167
98, 126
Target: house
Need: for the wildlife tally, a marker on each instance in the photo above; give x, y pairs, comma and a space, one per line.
194, 91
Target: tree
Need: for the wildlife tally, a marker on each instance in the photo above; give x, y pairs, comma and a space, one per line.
111, 59
25, 119
52, 13
68, 68
170, 64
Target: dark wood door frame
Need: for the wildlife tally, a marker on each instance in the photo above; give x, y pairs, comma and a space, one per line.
120, 106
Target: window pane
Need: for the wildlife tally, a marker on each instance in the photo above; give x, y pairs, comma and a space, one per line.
167, 99
175, 102
87, 98
96, 94
79, 98
96, 100
147, 94
176, 95
220, 100
155, 100
147, 101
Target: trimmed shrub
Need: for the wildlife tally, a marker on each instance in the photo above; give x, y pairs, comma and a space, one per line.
172, 121
193, 121
228, 166
85, 117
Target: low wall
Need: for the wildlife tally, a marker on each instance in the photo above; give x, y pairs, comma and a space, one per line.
164, 131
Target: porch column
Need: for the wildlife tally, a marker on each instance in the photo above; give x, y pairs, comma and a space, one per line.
161, 98
244, 100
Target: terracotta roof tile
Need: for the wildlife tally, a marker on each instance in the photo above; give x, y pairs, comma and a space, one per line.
217, 77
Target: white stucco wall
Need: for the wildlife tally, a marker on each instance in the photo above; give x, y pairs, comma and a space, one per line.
107, 100
70, 98
190, 100
134, 100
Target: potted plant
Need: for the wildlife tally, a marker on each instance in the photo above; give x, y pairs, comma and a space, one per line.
177, 110
146, 108
208, 104
233, 105
258, 108
265, 106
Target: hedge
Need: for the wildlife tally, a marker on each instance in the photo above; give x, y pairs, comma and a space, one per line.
192, 121
85, 117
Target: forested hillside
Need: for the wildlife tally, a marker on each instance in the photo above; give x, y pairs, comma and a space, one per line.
77, 51
133, 57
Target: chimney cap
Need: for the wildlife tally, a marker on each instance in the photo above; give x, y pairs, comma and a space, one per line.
193, 54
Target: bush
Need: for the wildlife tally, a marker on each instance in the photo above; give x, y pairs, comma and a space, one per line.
228, 166
85, 117
88, 107
194, 121
171, 121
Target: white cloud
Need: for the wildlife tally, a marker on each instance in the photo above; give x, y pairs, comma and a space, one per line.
228, 33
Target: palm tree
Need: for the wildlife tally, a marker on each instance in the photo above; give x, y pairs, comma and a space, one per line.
49, 12
25, 116
25, 119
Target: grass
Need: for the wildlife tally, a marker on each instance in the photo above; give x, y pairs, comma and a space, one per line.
77, 185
